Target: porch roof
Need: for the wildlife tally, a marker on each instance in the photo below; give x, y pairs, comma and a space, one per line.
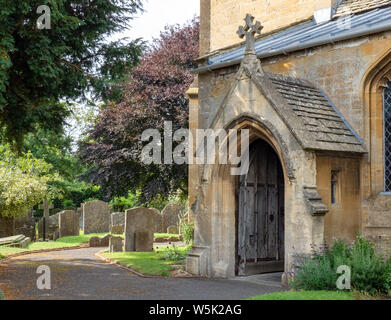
309, 113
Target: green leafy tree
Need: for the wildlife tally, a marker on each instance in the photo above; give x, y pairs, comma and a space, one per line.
39, 68
23, 182
55, 148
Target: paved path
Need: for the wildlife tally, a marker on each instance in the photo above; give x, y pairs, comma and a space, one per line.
79, 274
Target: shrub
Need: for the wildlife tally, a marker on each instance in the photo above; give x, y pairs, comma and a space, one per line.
121, 204
172, 253
187, 229
370, 272
68, 203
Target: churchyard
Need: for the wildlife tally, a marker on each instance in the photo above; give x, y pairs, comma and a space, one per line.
131, 238
303, 213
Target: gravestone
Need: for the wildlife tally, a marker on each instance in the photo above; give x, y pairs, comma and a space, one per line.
139, 221
170, 215
96, 217
143, 241
117, 224
117, 229
52, 226
46, 206
118, 218
94, 242
105, 240
158, 221
172, 230
115, 244
68, 223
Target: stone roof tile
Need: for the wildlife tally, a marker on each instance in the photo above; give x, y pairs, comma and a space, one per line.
324, 128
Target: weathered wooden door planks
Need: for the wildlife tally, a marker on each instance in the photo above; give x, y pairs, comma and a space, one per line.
261, 213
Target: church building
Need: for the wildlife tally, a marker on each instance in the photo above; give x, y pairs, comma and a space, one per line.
311, 81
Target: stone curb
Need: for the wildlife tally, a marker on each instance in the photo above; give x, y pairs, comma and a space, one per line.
116, 263
42, 251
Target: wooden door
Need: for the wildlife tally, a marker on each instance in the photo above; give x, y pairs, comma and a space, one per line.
260, 234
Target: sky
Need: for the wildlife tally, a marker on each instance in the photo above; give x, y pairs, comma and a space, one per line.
158, 14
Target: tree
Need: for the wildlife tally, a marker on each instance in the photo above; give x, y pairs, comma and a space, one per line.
23, 182
155, 93
41, 67
55, 148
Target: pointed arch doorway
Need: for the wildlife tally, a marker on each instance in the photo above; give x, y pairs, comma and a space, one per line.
260, 216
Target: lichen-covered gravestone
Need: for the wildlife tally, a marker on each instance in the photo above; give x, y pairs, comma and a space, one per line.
104, 241
117, 223
69, 223
170, 215
115, 244
139, 229
96, 217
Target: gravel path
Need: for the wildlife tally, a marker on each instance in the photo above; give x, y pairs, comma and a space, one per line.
80, 274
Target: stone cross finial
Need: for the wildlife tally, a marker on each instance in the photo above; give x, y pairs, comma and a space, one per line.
249, 31
46, 206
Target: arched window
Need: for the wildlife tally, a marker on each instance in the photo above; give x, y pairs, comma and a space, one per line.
387, 136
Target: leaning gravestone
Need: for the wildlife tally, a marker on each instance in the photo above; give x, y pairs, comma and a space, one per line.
96, 217
139, 229
68, 223
170, 215
104, 241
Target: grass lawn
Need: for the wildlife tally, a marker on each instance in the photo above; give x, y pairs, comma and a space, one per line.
148, 263
65, 242
307, 295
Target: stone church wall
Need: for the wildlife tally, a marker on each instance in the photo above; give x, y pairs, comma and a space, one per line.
340, 71
226, 15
